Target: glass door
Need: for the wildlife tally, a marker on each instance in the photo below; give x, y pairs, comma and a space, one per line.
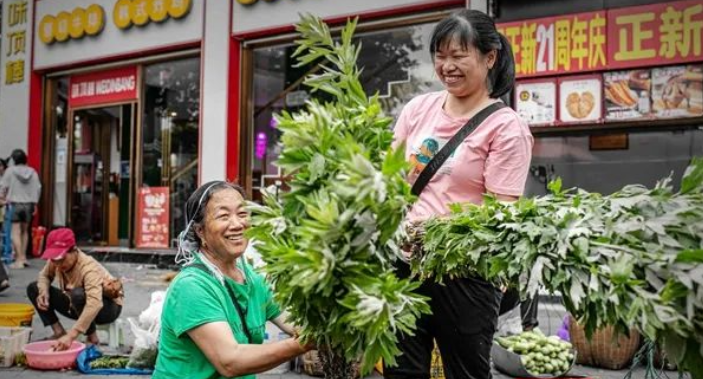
100, 164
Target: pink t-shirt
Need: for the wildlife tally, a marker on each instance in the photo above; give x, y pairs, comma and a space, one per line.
494, 158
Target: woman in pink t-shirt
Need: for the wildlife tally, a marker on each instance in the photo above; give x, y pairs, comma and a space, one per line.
476, 66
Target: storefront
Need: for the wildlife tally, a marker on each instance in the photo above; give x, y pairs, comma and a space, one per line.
613, 90
395, 56
120, 116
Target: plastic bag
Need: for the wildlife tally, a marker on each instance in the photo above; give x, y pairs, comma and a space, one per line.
510, 323
92, 353
145, 349
152, 314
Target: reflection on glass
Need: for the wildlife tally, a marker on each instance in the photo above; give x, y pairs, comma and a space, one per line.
648, 157
170, 132
59, 122
396, 65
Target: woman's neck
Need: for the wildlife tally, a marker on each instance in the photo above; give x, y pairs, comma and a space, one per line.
466, 106
227, 265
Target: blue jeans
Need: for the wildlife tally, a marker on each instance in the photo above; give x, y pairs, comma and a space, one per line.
6, 248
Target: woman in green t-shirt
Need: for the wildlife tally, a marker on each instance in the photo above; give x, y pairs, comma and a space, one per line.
215, 312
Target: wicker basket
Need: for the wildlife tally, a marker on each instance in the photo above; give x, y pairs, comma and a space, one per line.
606, 349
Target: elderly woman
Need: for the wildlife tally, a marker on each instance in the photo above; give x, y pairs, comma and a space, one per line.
214, 315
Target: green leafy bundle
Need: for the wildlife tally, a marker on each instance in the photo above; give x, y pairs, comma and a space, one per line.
633, 258
109, 362
329, 243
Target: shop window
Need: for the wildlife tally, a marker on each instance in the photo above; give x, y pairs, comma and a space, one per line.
606, 163
170, 132
396, 63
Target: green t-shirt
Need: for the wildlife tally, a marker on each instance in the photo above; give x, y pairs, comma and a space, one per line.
196, 297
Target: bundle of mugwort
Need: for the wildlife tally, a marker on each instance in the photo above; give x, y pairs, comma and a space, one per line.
329, 242
633, 258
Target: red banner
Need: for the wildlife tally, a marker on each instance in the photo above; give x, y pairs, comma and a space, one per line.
103, 87
656, 34
153, 217
555, 45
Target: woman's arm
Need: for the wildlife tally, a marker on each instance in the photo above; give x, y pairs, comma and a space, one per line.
232, 359
285, 327
508, 198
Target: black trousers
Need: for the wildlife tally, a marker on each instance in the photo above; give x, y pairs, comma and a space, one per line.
529, 308
463, 321
71, 305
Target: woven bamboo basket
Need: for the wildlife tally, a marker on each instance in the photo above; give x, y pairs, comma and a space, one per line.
606, 349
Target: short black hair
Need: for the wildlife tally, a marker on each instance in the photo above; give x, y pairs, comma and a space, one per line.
19, 157
3, 163
477, 29
197, 203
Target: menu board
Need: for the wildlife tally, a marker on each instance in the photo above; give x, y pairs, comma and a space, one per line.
677, 91
153, 217
535, 102
580, 99
627, 95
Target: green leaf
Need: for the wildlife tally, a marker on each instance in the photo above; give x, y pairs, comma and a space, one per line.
690, 256
554, 186
693, 177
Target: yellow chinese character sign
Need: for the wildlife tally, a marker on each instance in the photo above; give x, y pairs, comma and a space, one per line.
15, 40
556, 45
655, 34
127, 13
14, 71
75, 24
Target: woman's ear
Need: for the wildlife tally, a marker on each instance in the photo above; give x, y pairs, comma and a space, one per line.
491, 58
198, 231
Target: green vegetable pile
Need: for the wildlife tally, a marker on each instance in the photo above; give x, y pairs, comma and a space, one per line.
109, 362
20, 359
330, 242
633, 258
540, 354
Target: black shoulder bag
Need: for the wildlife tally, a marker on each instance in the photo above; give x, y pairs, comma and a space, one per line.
240, 311
438, 160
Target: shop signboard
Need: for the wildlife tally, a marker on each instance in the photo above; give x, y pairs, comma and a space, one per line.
69, 32
153, 206
677, 91
536, 101
664, 33
250, 16
104, 87
580, 99
627, 95
15, 72
556, 45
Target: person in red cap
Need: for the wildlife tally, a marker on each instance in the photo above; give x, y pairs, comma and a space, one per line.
86, 291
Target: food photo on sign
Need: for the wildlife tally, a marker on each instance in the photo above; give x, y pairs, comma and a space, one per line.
535, 101
580, 99
627, 94
677, 91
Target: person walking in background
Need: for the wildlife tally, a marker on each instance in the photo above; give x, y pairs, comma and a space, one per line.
476, 67
5, 238
20, 189
86, 291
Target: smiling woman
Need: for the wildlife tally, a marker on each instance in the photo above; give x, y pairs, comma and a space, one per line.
476, 68
215, 312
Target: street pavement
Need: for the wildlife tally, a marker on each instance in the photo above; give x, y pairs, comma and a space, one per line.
140, 280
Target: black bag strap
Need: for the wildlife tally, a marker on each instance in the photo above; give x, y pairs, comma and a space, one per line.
438, 160
240, 311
